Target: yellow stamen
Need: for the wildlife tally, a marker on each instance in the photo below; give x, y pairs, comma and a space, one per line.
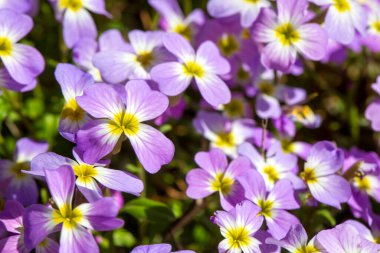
184, 30
222, 183
238, 237
73, 5
308, 175
228, 45
73, 111
225, 140
193, 69
266, 207
363, 183
84, 172
68, 216
145, 59
271, 173
5, 46
266, 88
235, 108
307, 249
287, 34
376, 26
17, 168
124, 123
342, 5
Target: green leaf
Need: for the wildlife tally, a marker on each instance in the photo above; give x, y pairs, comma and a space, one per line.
326, 215
123, 238
149, 210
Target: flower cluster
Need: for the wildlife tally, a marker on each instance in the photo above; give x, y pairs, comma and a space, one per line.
202, 102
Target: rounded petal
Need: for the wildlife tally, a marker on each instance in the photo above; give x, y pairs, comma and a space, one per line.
213, 89
24, 190
77, 240
27, 149
278, 57
267, 107
152, 148
282, 195
313, 41
199, 184
143, 102
339, 26
214, 161
77, 25
208, 55
179, 46
13, 25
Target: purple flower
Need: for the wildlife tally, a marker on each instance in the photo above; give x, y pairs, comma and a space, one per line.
24, 63
343, 18
305, 115
118, 65
205, 66
11, 219
73, 222
287, 34
215, 175
222, 133
372, 111
9, 83
76, 19
372, 234
72, 81
85, 49
119, 112
324, 160
277, 165
248, 10
20, 6
238, 227
88, 175
157, 248
344, 238
295, 241
20, 186
372, 38
173, 20
272, 204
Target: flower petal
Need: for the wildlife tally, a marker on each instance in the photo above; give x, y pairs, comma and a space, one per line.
27, 149
152, 148
11, 216
213, 89
89, 188
199, 182
12, 244
208, 55
47, 161
313, 41
280, 223
77, 240
77, 25
23, 189
13, 25
179, 46
282, 195
214, 161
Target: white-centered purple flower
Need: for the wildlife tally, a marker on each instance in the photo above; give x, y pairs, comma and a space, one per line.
205, 66
238, 227
24, 63
18, 185
119, 113
88, 176
343, 19
272, 204
216, 175
248, 10
320, 174
72, 81
74, 222
287, 33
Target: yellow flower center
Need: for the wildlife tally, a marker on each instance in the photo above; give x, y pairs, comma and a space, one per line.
228, 45
222, 183
5, 46
235, 108
342, 5
266, 207
73, 5
238, 238
145, 59
242, 75
184, 30
271, 173
225, 140
84, 172
308, 175
301, 113
17, 168
73, 111
126, 123
287, 34
376, 26
266, 88
193, 69
363, 183
307, 249
252, 1
68, 216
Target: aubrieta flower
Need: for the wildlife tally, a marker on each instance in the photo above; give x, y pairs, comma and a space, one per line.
343, 19
72, 81
224, 134
146, 50
344, 238
372, 111
76, 18
20, 186
119, 112
173, 20
295, 241
88, 175
11, 219
238, 227
372, 37
205, 66
73, 222
272, 204
216, 175
157, 248
287, 34
319, 173
275, 166
248, 10
24, 63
